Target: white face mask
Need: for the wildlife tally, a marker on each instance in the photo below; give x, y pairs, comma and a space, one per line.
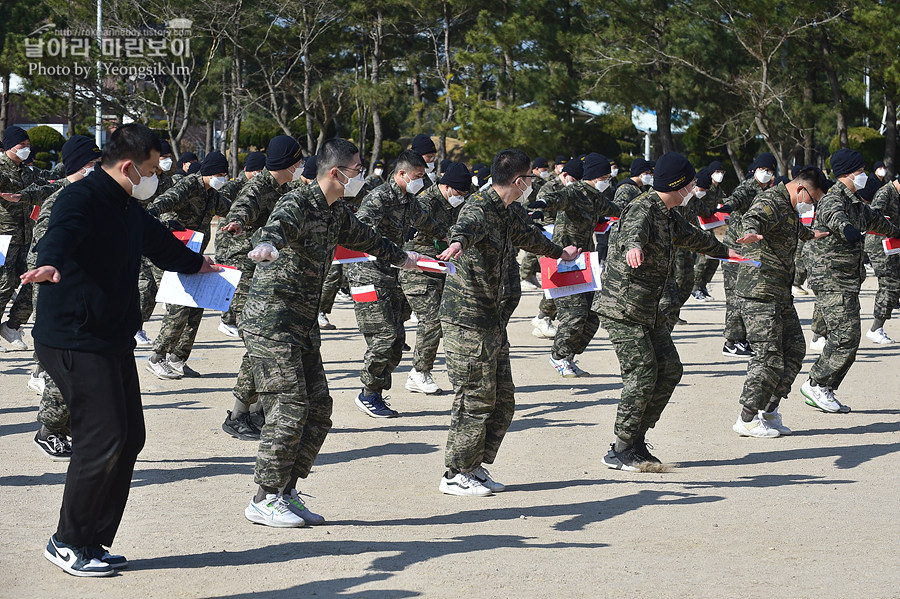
145, 188
614, 172
545, 175
860, 180
353, 186
803, 207
429, 167
718, 176
569, 182
295, 176
763, 176
165, 164
88, 171
378, 172
602, 185
474, 180
686, 199
414, 186
881, 172
217, 182
700, 193
23, 153
647, 179
526, 193
455, 200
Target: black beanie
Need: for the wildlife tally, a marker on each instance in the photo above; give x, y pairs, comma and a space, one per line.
13, 136
672, 172
575, 169
378, 164
283, 152
483, 174
766, 160
458, 177
716, 165
310, 168
187, 157
540, 162
445, 164
194, 168
846, 161
77, 152
423, 144
560, 159
595, 166
165, 147
640, 166
704, 178
255, 161
214, 163
779, 180
877, 165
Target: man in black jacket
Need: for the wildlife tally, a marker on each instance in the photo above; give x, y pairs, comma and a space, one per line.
84, 330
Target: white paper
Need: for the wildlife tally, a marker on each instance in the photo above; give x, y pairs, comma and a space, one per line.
4, 247
195, 242
593, 285
213, 290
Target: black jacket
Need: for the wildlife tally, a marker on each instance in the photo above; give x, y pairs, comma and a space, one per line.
95, 239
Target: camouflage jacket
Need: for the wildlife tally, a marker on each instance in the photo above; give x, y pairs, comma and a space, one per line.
15, 217
772, 216
40, 227
578, 208
740, 201
837, 263
232, 188
886, 201
284, 296
442, 213
253, 206
626, 192
708, 203
633, 294
373, 181
189, 202
392, 213
487, 231
550, 185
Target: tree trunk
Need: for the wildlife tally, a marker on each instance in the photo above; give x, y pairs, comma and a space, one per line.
71, 115
836, 93
890, 135
307, 103
664, 122
809, 127
210, 132
4, 101
377, 132
417, 98
735, 161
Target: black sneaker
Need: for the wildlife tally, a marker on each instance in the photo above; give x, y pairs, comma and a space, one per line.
745, 345
698, 295
240, 427
77, 561
406, 347
705, 293
56, 447
626, 459
642, 450
736, 350
257, 420
116, 561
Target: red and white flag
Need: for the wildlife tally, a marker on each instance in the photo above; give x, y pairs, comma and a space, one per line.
364, 294
344, 256
429, 265
891, 246
717, 219
192, 239
604, 226
35, 212
808, 217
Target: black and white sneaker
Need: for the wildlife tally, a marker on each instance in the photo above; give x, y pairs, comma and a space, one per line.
738, 349
240, 427
626, 459
698, 295
706, 294
56, 447
258, 420
642, 450
102, 554
463, 483
77, 561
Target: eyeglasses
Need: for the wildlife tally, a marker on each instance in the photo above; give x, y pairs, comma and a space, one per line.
355, 170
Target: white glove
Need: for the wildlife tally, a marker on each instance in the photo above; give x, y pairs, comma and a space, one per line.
411, 259
263, 253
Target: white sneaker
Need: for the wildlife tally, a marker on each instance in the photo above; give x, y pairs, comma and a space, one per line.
162, 370
822, 398
413, 318
141, 339
817, 344
758, 427
296, 505
228, 329
344, 297
773, 420
798, 291
543, 327
484, 477
573, 364
324, 323
878, 336
421, 382
37, 383
463, 484
13, 336
273, 511
563, 367
531, 283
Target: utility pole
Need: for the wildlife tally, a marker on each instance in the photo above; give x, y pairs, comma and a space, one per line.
98, 118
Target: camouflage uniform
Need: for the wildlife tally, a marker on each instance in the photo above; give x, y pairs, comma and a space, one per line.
225, 253
194, 206
836, 274
773, 327
423, 290
740, 202
579, 207
531, 264
149, 275
887, 268
706, 267
681, 283
629, 301
281, 331
626, 192
472, 318
391, 212
337, 276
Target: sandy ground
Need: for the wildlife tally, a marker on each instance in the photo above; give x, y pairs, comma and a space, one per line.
811, 515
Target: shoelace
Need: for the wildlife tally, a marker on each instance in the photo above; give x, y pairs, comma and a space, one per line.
57, 443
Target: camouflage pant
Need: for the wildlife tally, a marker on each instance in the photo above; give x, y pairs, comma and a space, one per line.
547, 308
424, 291
774, 331
484, 402
684, 274
840, 312
333, 283
381, 323
232, 251
16, 264
178, 332
734, 322
148, 285
704, 270
650, 368
799, 264
511, 293
887, 269
294, 394
531, 265
576, 327
244, 390
53, 412
670, 303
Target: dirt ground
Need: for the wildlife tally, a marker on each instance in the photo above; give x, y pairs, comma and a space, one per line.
810, 515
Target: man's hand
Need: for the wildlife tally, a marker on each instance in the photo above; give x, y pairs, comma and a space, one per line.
11, 197
411, 259
749, 238
209, 266
820, 234
570, 253
634, 257
734, 254
453, 251
41, 274
234, 227
263, 253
